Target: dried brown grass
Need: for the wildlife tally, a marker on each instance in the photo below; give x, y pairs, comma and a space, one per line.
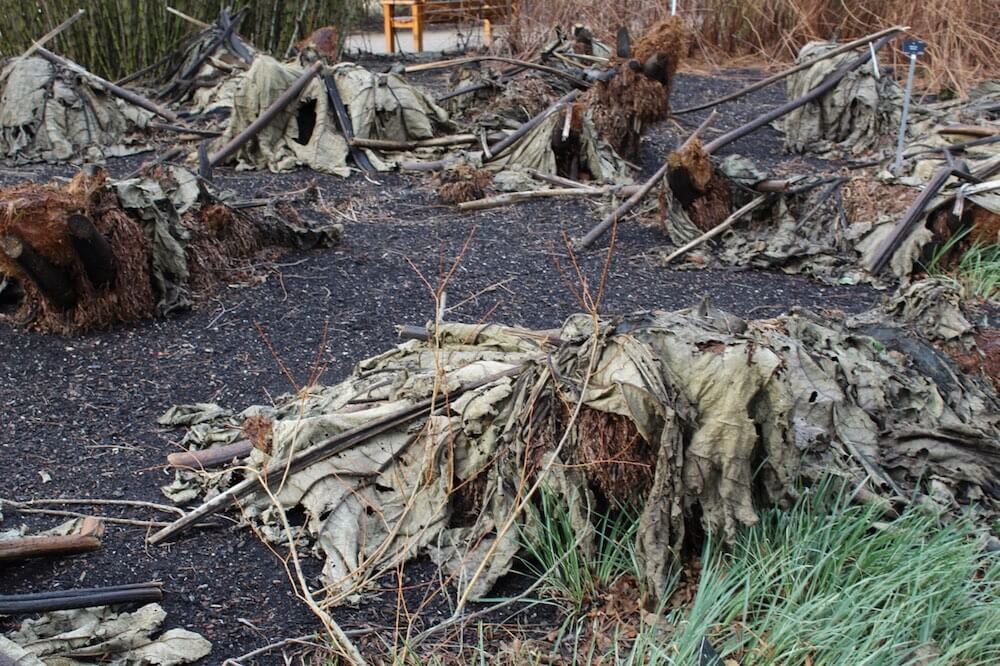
961, 35
463, 183
627, 103
616, 460
709, 210
38, 214
222, 241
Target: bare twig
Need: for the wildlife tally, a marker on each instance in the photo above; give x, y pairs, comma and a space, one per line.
712, 233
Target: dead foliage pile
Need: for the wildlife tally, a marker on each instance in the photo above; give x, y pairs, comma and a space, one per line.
697, 417
640, 93
463, 183
69, 286
222, 240
37, 215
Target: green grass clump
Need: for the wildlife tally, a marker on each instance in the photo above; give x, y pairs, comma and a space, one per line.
824, 583
830, 583
552, 547
977, 271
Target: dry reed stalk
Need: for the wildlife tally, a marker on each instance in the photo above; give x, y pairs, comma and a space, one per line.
961, 35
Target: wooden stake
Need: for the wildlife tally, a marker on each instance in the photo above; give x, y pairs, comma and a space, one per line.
617, 214
797, 68
52, 281
715, 231
117, 91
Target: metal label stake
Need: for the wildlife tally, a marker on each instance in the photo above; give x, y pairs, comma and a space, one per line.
912, 48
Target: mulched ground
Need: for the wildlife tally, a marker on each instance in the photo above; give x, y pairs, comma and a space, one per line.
83, 410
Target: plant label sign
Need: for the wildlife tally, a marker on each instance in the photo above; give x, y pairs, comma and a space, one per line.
914, 47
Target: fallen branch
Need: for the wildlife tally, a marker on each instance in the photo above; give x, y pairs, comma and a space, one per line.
213, 457
117, 91
320, 451
792, 70
43, 602
53, 32
617, 214
715, 231
21, 548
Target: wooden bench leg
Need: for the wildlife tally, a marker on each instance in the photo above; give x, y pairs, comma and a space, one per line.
387, 16
418, 27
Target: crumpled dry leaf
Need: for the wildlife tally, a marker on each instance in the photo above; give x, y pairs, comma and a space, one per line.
76, 637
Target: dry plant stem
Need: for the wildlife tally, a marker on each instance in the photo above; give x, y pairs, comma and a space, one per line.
107, 519
715, 231
516, 197
297, 640
96, 502
828, 84
53, 32
171, 154
320, 451
510, 61
348, 650
383, 144
557, 180
117, 91
629, 204
792, 70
